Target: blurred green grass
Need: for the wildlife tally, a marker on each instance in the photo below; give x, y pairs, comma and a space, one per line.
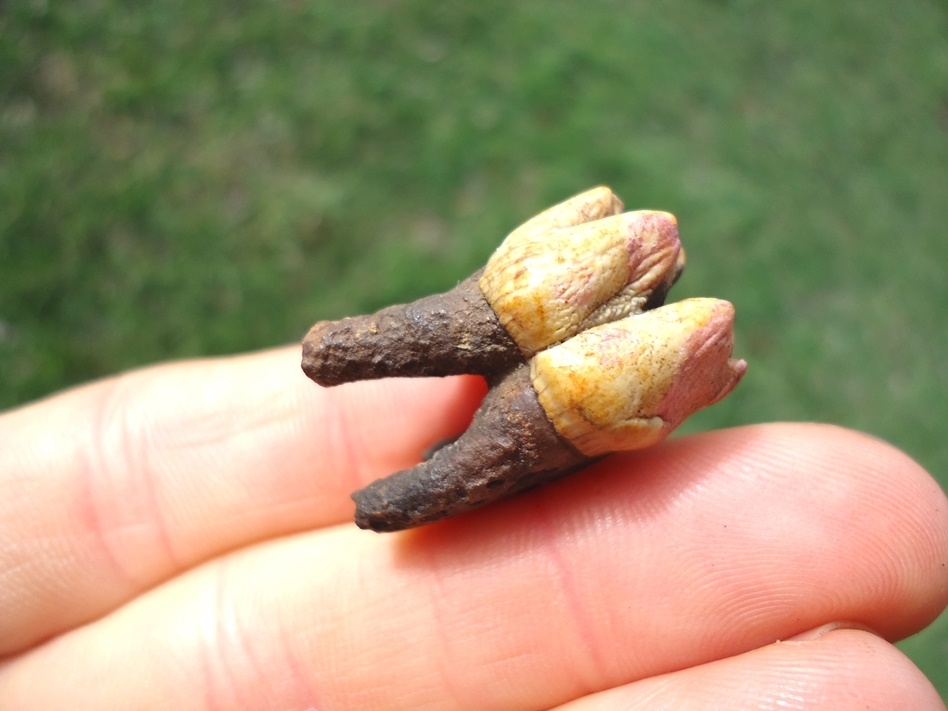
180, 179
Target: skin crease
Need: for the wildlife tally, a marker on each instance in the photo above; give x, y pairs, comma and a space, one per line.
184, 534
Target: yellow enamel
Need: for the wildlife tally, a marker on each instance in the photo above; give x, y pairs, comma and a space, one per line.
550, 279
588, 206
542, 288
618, 386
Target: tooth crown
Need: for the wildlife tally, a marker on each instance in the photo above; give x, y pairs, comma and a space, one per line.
588, 206
628, 384
551, 278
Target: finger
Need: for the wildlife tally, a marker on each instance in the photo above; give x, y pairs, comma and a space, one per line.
697, 550
113, 487
837, 671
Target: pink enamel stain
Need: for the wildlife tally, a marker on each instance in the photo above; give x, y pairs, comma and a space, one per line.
653, 247
579, 291
707, 372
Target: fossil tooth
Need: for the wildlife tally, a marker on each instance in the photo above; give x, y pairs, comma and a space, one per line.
552, 277
619, 386
567, 323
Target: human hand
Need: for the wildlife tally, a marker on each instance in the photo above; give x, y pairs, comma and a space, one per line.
180, 537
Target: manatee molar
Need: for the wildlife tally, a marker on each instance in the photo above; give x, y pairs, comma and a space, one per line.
567, 323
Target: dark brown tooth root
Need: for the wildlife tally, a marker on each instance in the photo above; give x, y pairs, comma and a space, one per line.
444, 334
510, 446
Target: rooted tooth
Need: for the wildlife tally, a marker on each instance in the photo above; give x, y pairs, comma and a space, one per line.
620, 386
566, 323
578, 274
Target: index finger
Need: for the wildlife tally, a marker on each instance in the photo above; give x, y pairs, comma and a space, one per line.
116, 486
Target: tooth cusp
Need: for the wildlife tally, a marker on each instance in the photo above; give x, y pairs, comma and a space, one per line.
593, 204
548, 286
628, 384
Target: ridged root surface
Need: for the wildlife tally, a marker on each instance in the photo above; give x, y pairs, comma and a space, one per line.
510, 446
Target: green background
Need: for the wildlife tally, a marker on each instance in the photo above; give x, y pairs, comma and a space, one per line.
187, 178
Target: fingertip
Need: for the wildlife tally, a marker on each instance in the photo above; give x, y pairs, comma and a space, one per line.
854, 663
914, 518
843, 669
843, 520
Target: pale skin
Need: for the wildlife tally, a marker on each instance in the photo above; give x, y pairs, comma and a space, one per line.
181, 538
